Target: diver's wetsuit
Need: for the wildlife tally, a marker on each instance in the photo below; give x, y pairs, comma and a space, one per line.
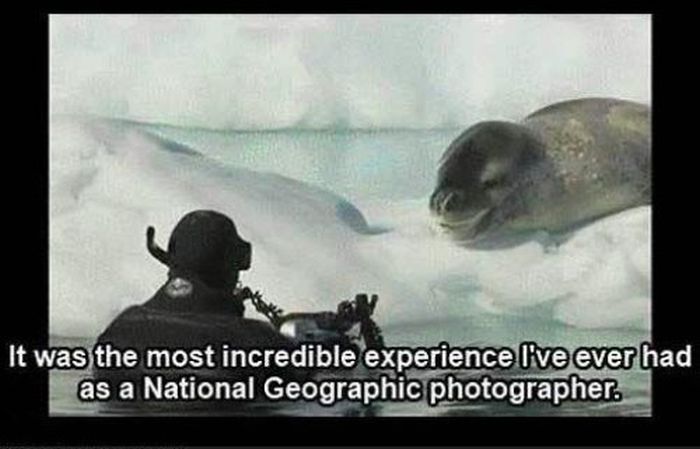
187, 294
196, 307
187, 313
194, 317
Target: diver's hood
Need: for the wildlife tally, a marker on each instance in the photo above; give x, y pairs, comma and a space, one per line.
205, 244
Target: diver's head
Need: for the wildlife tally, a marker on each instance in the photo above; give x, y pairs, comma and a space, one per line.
205, 245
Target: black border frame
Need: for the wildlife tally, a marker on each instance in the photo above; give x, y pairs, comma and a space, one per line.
24, 393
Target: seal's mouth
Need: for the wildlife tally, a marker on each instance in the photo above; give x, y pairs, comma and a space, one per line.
465, 226
457, 214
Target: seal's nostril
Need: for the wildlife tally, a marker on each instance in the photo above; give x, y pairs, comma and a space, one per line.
445, 201
450, 202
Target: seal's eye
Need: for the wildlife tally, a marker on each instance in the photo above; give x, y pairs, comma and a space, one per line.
492, 183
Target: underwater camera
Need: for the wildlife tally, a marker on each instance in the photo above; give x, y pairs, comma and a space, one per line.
324, 327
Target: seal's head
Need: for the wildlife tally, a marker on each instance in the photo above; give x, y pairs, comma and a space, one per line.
479, 176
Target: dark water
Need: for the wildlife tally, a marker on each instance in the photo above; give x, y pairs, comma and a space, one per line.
486, 329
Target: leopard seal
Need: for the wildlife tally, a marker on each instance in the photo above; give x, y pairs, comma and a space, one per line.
560, 167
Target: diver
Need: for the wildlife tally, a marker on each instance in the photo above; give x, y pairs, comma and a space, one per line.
201, 305
198, 304
202, 301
